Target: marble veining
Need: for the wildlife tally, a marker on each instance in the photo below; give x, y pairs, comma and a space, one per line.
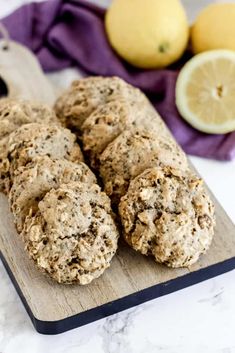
197, 319
115, 330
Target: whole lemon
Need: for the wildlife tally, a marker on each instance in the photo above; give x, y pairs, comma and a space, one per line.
147, 34
214, 28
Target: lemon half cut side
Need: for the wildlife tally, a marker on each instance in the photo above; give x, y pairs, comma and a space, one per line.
205, 91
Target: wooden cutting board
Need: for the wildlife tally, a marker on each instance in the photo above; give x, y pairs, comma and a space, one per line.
21, 75
132, 278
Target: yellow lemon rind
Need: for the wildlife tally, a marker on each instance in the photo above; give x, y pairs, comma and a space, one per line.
181, 97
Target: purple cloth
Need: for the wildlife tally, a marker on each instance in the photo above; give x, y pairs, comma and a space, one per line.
67, 33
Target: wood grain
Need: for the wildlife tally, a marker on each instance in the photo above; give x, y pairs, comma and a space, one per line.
129, 273
23, 75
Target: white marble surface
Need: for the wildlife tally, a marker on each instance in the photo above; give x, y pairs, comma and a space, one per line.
197, 319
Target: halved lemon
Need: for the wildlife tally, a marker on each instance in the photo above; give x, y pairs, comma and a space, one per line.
205, 91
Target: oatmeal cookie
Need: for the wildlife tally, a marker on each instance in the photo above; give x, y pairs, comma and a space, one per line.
168, 214
72, 236
33, 181
75, 105
109, 120
131, 153
32, 140
13, 114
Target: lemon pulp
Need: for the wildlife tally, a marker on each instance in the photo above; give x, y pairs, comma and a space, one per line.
205, 91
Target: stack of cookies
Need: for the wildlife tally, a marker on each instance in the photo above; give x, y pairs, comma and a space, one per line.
63, 217
61, 213
163, 206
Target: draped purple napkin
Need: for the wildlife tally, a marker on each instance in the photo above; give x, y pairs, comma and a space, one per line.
71, 33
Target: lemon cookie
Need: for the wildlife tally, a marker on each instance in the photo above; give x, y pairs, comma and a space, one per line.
168, 214
131, 153
72, 236
34, 180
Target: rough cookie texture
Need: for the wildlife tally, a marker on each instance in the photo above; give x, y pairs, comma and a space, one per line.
85, 95
72, 237
4, 166
131, 153
32, 140
111, 119
13, 114
168, 214
34, 180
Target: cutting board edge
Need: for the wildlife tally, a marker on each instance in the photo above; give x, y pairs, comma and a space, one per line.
121, 304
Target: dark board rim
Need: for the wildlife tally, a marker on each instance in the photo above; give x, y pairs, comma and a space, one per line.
121, 304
